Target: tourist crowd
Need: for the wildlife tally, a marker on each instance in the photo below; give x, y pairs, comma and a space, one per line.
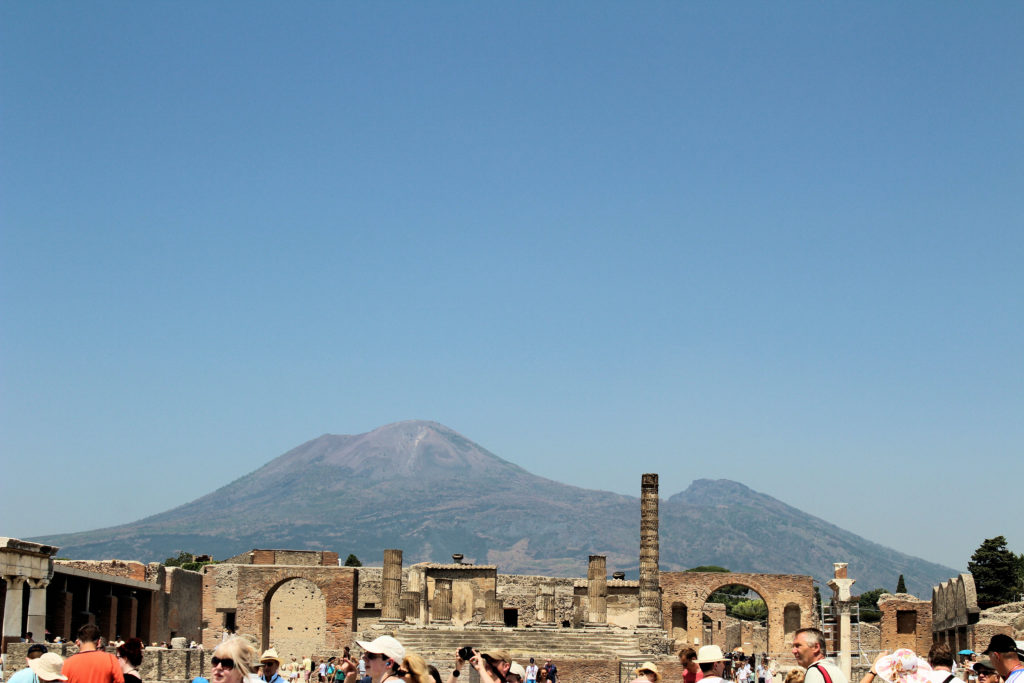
385, 660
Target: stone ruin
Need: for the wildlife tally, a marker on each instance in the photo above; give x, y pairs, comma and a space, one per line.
303, 602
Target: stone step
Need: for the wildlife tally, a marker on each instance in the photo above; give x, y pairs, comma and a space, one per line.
524, 643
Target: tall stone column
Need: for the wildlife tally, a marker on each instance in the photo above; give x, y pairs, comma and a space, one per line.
840, 586
37, 608
650, 588
127, 617
597, 591
391, 587
13, 606
494, 610
108, 618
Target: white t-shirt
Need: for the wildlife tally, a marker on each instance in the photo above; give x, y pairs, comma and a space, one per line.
813, 675
531, 672
940, 676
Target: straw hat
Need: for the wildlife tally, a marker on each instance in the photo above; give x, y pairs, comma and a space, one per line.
710, 653
648, 666
270, 656
47, 667
518, 670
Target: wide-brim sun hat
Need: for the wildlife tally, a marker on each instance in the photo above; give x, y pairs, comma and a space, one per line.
518, 670
903, 666
648, 666
47, 667
384, 645
270, 656
709, 654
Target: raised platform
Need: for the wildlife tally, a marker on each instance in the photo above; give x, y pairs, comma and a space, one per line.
523, 643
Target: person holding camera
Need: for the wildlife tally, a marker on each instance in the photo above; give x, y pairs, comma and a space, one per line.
492, 665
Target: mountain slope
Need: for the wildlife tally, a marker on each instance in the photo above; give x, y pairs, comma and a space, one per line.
423, 487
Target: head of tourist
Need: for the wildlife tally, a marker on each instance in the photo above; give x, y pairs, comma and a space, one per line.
271, 662
688, 657
414, 669
35, 651
648, 672
88, 637
808, 646
542, 675
985, 671
794, 676
497, 660
129, 654
232, 661
383, 655
711, 660
902, 666
47, 667
940, 656
1003, 653
516, 673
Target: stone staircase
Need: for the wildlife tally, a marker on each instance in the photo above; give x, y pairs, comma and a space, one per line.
540, 644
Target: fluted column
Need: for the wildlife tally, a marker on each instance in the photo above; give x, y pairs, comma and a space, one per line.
650, 589
441, 606
546, 605
37, 608
12, 606
597, 591
391, 587
494, 613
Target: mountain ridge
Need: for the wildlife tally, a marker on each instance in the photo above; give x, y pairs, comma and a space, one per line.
423, 487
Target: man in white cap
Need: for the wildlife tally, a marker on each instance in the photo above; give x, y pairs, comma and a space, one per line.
271, 663
383, 656
809, 651
711, 661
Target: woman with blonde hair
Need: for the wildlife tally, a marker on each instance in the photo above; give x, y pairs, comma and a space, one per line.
232, 661
414, 669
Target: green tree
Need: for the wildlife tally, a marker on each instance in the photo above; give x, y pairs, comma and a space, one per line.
997, 572
180, 560
352, 561
868, 602
750, 610
901, 585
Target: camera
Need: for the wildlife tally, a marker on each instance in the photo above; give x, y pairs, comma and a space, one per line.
465, 653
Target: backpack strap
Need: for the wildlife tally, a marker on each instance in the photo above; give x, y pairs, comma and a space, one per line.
824, 673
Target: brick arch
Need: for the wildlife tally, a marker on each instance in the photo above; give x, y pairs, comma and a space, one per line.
318, 596
249, 589
777, 590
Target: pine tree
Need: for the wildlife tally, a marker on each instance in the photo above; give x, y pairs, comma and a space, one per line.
352, 561
901, 585
996, 570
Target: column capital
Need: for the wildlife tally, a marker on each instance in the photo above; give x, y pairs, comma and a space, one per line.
38, 583
15, 581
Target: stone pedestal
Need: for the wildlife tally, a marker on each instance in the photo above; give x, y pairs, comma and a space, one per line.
597, 591
391, 587
841, 598
650, 588
441, 606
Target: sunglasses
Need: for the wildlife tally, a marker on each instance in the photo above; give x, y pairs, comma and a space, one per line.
225, 662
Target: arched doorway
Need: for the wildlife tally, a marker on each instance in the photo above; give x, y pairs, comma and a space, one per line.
679, 619
791, 621
294, 618
741, 617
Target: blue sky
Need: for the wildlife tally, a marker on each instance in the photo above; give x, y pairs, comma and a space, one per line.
779, 243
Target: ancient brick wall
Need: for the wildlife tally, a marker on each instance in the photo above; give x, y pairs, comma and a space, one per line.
183, 599
588, 671
255, 592
118, 568
906, 622
692, 589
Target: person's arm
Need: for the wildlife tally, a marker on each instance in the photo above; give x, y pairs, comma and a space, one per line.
349, 668
872, 675
478, 663
457, 671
